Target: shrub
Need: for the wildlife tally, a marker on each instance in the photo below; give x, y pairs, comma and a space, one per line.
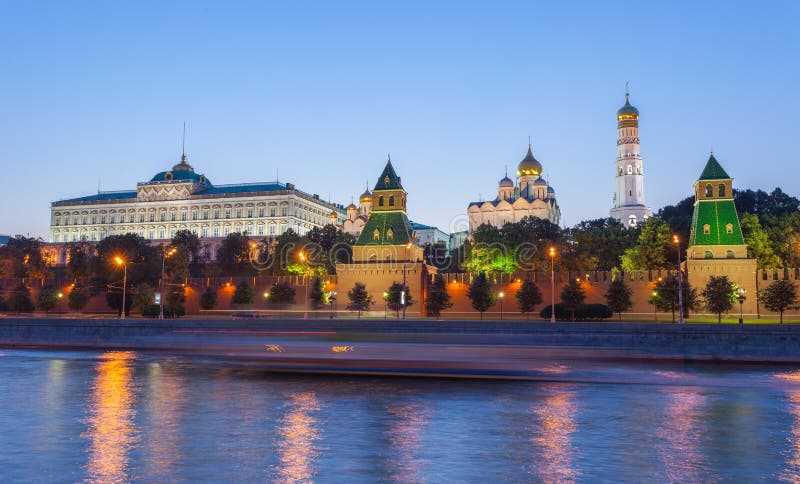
281, 293
78, 298
48, 298
584, 312
244, 294
208, 299
20, 300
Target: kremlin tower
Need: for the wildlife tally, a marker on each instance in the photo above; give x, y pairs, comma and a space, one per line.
629, 208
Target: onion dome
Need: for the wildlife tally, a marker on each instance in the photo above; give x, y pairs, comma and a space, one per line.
183, 165
529, 165
551, 190
366, 196
333, 215
352, 206
506, 182
627, 110
539, 182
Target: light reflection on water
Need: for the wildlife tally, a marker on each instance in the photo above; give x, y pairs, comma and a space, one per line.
111, 428
164, 419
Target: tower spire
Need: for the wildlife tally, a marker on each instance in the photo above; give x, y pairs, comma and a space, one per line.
183, 144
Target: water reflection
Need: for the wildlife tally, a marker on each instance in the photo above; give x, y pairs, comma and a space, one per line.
165, 396
297, 434
405, 437
681, 433
792, 471
111, 413
555, 417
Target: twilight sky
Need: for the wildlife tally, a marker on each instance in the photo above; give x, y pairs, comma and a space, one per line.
96, 93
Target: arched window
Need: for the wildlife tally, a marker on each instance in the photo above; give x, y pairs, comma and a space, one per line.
630, 170
729, 228
391, 200
709, 254
709, 191
706, 229
376, 235
380, 201
632, 220
390, 234
730, 254
721, 190
620, 171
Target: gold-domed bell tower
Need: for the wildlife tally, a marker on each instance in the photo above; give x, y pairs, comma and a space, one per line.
629, 208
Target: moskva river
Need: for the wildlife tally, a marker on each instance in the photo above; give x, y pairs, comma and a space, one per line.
121, 416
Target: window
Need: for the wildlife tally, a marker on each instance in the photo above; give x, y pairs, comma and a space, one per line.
380, 201
238, 213
709, 254
183, 215
729, 254
94, 219
141, 218
216, 232
376, 235
205, 214
709, 191
729, 228
194, 214
630, 170
152, 217
721, 190
226, 231
391, 200
260, 211
620, 171
172, 216
205, 231
271, 211
216, 213
260, 230
113, 219
390, 234
102, 219
706, 229
161, 234
227, 213
284, 211
151, 234
172, 233
249, 212
271, 230
162, 216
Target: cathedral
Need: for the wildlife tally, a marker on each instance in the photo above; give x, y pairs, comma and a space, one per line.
531, 197
629, 208
357, 216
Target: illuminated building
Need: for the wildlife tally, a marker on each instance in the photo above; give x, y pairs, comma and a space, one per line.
629, 208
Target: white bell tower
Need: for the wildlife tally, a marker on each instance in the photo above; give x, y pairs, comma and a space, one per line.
629, 208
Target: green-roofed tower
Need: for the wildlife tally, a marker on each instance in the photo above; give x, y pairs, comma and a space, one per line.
716, 244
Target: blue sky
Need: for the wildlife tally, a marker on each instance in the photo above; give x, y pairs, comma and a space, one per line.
96, 93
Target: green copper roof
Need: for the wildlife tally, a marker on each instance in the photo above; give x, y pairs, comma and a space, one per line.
715, 222
386, 228
388, 179
713, 170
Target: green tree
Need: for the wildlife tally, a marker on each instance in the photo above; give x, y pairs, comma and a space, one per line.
528, 297
47, 299
598, 245
438, 299
480, 293
187, 259
719, 295
20, 299
78, 261
142, 261
144, 297
281, 293
759, 246
174, 300
653, 250
208, 299
244, 294
779, 296
3, 306
618, 297
233, 254
572, 297
398, 296
359, 298
78, 297
317, 295
667, 299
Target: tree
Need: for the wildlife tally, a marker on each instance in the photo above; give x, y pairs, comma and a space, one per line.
480, 294
438, 299
243, 294
719, 295
78, 261
317, 295
598, 244
78, 297
20, 299
618, 297
572, 297
208, 299
48, 299
397, 297
174, 300
653, 250
144, 297
233, 254
759, 246
779, 296
528, 297
281, 293
360, 300
667, 299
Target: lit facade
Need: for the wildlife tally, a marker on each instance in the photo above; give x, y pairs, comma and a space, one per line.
629, 208
531, 197
180, 199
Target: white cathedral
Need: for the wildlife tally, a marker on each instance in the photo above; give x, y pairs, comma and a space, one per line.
629, 208
531, 197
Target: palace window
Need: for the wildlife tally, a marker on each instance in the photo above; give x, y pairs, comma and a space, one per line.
271, 211
226, 231
227, 213
238, 213
216, 232
630, 170
152, 217
161, 234
183, 215
172, 216
151, 234
102, 219
113, 218
721, 190
172, 233
249, 212
260, 230
205, 214
706, 229
271, 230
162, 216
261, 211
284, 211
194, 214
205, 231
216, 213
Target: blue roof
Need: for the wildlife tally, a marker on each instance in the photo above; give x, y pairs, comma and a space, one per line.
4, 239
179, 175
418, 226
122, 195
242, 188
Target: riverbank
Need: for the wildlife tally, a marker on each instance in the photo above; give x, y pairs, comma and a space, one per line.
416, 347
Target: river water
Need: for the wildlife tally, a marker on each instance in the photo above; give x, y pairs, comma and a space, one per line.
121, 416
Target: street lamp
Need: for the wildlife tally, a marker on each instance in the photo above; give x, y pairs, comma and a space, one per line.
385, 304
501, 296
124, 265
164, 255
654, 296
302, 256
552, 285
677, 241
403, 293
741, 299
331, 298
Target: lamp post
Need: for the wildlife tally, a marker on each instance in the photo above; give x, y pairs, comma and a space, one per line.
385, 304
552, 285
164, 255
680, 280
403, 294
124, 265
331, 298
501, 296
302, 256
60, 296
654, 296
741, 297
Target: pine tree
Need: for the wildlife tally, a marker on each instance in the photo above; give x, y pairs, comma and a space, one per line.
528, 297
618, 297
208, 299
360, 300
244, 294
481, 294
718, 296
572, 297
281, 293
20, 300
438, 299
780, 296
48, 299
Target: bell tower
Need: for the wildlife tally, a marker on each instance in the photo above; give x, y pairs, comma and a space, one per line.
629, 208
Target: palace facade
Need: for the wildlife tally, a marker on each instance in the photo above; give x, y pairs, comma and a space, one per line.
181, 199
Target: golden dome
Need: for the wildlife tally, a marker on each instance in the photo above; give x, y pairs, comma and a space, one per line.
529, 165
